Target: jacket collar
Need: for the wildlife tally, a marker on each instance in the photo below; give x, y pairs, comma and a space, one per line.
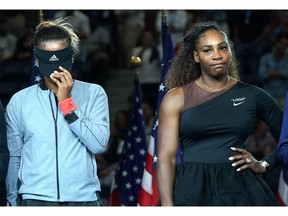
42, 85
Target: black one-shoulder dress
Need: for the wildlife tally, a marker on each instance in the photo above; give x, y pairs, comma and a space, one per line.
210, 124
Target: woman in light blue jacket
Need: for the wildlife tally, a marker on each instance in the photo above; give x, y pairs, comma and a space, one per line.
55, 128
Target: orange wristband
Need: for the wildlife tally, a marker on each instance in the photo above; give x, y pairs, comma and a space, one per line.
67, 106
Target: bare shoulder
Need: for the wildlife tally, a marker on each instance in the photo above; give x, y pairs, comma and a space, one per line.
175, 94
174, 99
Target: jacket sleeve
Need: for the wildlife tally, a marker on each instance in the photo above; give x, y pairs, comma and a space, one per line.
15, 144
4, 153
12, 183
93, 130
282, 147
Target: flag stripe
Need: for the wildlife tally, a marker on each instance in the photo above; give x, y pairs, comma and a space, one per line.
149, 195
155, 197
147, 183
145, 200
149, 163
282, 190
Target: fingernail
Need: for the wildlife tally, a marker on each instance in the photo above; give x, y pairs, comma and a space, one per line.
230, 158
238, 169
233, 148
234, 164
55, 71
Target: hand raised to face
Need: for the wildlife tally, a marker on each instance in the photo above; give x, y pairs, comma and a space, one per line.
63, 79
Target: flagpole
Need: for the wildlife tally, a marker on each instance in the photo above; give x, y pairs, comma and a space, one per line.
164, 16
163, 22
41, 16
135, 63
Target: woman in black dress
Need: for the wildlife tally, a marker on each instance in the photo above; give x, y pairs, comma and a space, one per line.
212, 113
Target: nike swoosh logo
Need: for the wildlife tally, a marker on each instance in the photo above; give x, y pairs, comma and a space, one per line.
236, 104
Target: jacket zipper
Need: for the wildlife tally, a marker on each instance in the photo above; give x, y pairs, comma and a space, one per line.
55, 117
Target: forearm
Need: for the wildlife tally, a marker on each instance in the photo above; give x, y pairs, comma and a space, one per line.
94, 135
12, 179
91, 128
165, 182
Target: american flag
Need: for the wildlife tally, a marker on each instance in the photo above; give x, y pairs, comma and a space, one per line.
149, 194
128, 176
35, 76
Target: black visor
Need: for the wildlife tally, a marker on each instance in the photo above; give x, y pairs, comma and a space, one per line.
49, 61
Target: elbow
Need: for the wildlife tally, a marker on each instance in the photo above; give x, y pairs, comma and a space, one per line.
101, 150
101, 142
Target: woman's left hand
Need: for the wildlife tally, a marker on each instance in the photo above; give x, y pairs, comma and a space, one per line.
246, 160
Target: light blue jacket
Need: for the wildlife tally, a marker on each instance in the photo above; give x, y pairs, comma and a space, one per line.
53, 158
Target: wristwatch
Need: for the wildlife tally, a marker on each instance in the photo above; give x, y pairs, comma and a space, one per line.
71, 117
265, 164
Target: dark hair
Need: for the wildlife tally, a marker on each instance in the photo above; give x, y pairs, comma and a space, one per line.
56, 30
184, 69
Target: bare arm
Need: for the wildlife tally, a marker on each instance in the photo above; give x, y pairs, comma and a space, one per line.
169, 115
